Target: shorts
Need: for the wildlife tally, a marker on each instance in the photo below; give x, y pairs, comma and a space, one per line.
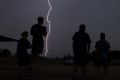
80, 55
23, 61
37, 49
81, 60
101, 63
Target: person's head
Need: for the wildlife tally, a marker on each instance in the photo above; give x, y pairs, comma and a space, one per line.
102, 36
82, 27
40, 20
24, 34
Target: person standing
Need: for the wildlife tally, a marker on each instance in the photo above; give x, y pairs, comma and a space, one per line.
102, 57
38, 31
81, 48
22, 46
22, 55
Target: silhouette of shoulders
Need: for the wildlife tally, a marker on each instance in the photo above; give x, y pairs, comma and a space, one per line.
23, 42
23, 45
38, 30
81, 36
102, 44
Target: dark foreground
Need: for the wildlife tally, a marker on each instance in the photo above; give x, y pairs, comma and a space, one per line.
56, 72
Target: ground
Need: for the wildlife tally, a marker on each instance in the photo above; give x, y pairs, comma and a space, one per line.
55, 71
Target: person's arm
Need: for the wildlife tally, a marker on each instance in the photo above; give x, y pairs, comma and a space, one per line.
88, 48
31, 31
109, 52
96, 51
29, 45
89, 42
96, 54
74, 36
44, 31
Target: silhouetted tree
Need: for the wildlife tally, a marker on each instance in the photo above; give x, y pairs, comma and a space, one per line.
57, 58
115, 55
5, 53
64, 57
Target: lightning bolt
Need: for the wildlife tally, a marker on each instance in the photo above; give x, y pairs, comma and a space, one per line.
49, 22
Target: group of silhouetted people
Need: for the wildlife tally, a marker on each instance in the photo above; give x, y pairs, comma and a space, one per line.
81, 48
38, 31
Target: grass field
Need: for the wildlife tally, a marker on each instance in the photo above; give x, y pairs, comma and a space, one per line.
8, 71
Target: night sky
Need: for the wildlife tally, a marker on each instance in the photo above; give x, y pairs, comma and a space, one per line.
66, 16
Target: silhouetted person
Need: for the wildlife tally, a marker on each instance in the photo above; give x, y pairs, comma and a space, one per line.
38, 31
102, 55
22, 47
81, 48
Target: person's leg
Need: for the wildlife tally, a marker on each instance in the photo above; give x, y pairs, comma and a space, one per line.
105, 73
98, 65
19, 71
35, 67
98, 71
83, 69
75, 69
84, 75
35, 59
83, 64
35, 62
105, 67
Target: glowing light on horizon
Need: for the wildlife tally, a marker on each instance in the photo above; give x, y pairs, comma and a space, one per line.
49, 22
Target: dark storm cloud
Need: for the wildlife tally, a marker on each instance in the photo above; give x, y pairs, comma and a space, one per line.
18, 15
98, 15
66, 16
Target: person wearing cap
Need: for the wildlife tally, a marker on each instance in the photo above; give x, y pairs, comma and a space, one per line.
81, 48
22, 46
